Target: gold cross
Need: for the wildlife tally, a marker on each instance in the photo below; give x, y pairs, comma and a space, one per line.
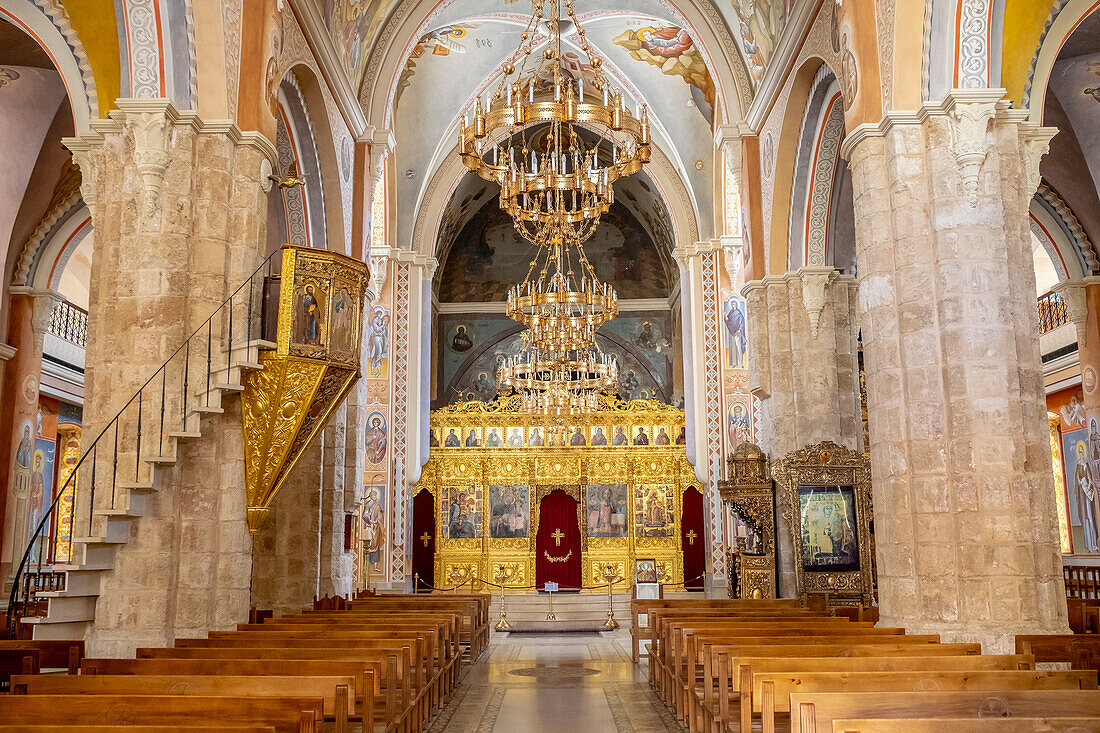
557, 535
425, 538
690, 535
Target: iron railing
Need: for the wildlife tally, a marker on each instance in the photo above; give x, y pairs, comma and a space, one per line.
70, 323
1052, 312
168, 405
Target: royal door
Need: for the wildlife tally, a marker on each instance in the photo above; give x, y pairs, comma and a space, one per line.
691, 539
423, 555
558, 542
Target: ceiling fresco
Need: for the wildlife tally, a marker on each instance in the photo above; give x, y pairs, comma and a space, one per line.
489, 257
1075, 80
354, 26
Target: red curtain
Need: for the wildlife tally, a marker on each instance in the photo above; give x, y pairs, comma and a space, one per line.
424, 538
558, 543
692, 540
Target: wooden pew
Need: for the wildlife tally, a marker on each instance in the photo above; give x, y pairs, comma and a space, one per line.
474, 629
972, 725
1081, 651
771, 691
17, 661
334, 692
133, 729
640, 633
284, 714
366, 676
732, 685
401, 700
51, 654
815, 712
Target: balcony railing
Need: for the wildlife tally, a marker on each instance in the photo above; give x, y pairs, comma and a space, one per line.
70, 323
1052, 312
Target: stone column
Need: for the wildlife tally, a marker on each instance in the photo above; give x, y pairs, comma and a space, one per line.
803, 367
28, 319
411, 356
965, 511
286, 568
336, 562
699, 308
180, 217
1083, 308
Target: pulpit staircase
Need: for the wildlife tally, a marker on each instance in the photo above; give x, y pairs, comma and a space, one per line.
57, 584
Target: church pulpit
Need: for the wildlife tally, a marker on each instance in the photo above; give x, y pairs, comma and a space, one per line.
558, 542
423, 555
692, 540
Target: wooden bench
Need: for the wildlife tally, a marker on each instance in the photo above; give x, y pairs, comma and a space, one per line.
640, 633
284, 714
815, 712
972, 725
1080, 651
51, 654
334, 692
17, 661
771, 691
731, 683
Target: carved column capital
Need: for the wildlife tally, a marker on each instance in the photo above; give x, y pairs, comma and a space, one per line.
1035, 141
814, 297
44, 303
969, 141
1073, 293
148, 126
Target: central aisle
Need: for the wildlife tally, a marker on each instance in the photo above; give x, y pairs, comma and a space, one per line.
550, 683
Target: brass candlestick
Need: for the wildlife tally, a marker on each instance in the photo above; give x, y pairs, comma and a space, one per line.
610, 574
503, 576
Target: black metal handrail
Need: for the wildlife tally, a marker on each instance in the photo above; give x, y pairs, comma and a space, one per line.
1052, 312
70, 323
140, 418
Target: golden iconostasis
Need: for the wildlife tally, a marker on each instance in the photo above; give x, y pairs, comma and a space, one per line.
491, 465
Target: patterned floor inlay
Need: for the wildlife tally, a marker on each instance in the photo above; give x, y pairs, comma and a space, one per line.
556, 683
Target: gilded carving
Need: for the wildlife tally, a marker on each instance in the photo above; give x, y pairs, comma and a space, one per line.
824, 468
553, 464
312, 369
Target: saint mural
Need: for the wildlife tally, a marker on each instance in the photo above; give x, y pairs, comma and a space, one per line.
577, 439
598, 438
828, 519
343, 320
473, 440
515, 437
607, 507
681, 439
310, 314
536, 438
641, 438
376, 438
462, 515
662, 437
374, 526
508, 511
733, 311
378, 342
1085, 496
451, 441
653, 516
737, 425
461, 341
620, 437
494, 440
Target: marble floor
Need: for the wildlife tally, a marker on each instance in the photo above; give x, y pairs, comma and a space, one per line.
555, 683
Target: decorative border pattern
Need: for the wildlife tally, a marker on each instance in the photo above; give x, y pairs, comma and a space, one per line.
972, 71
821, 184
144, 49
57, 14
1072, 226
714, 408
1055, 11
38, 238
399, 419
192, 56
231, 25
293, 202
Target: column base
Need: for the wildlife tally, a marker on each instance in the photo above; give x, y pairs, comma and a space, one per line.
995, 638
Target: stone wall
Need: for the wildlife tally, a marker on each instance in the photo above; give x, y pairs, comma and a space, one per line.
803, 367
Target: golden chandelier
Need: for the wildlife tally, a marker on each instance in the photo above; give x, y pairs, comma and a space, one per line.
561, 301
554, 152
557, 383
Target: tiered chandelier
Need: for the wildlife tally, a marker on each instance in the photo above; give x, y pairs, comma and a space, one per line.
526, 139
555, 154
